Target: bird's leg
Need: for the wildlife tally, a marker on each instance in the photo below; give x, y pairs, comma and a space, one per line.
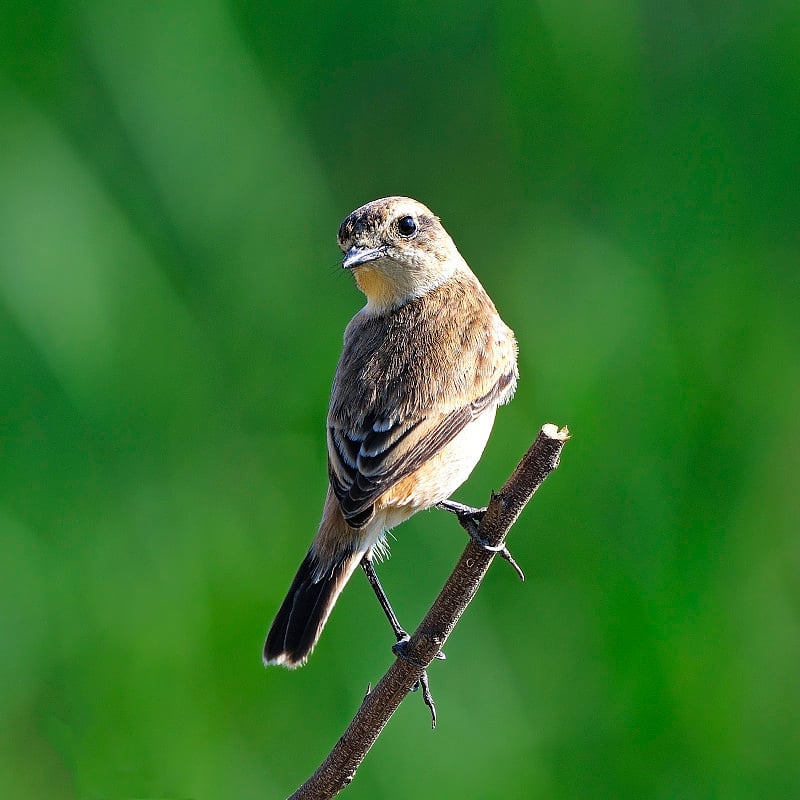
372, 577
470, 518
399, 649
399, 631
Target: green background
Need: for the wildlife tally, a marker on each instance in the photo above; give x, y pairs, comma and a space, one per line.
623, 177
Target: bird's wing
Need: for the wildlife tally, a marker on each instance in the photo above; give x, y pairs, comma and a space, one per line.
368, 458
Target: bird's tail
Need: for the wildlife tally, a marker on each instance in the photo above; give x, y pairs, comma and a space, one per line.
303, 614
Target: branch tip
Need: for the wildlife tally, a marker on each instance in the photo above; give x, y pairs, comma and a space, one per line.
552, 431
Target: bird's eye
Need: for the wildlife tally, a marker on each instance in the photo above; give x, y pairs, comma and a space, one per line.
407, 227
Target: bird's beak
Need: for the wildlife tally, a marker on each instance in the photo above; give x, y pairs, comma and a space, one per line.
356, 256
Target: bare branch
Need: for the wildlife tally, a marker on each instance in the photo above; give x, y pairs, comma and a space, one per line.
339, 768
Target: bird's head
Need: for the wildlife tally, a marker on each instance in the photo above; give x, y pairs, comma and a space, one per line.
397, 250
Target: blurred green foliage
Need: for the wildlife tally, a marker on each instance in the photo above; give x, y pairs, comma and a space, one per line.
624, 179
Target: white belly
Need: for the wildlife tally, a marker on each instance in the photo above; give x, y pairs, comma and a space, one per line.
444, 473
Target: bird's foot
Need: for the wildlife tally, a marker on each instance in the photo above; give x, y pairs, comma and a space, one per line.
400, 650
470, 519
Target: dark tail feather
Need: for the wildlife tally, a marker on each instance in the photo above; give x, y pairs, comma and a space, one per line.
303, 614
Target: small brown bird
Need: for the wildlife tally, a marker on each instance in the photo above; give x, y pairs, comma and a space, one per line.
425, 364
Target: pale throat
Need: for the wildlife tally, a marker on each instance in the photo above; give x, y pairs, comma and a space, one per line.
385, 291
381, 292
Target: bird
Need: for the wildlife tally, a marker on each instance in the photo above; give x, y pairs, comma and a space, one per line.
425, 364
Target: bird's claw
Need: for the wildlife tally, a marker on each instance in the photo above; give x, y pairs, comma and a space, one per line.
399, 649
470, 518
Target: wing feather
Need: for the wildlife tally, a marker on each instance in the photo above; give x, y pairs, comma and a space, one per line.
386, 457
